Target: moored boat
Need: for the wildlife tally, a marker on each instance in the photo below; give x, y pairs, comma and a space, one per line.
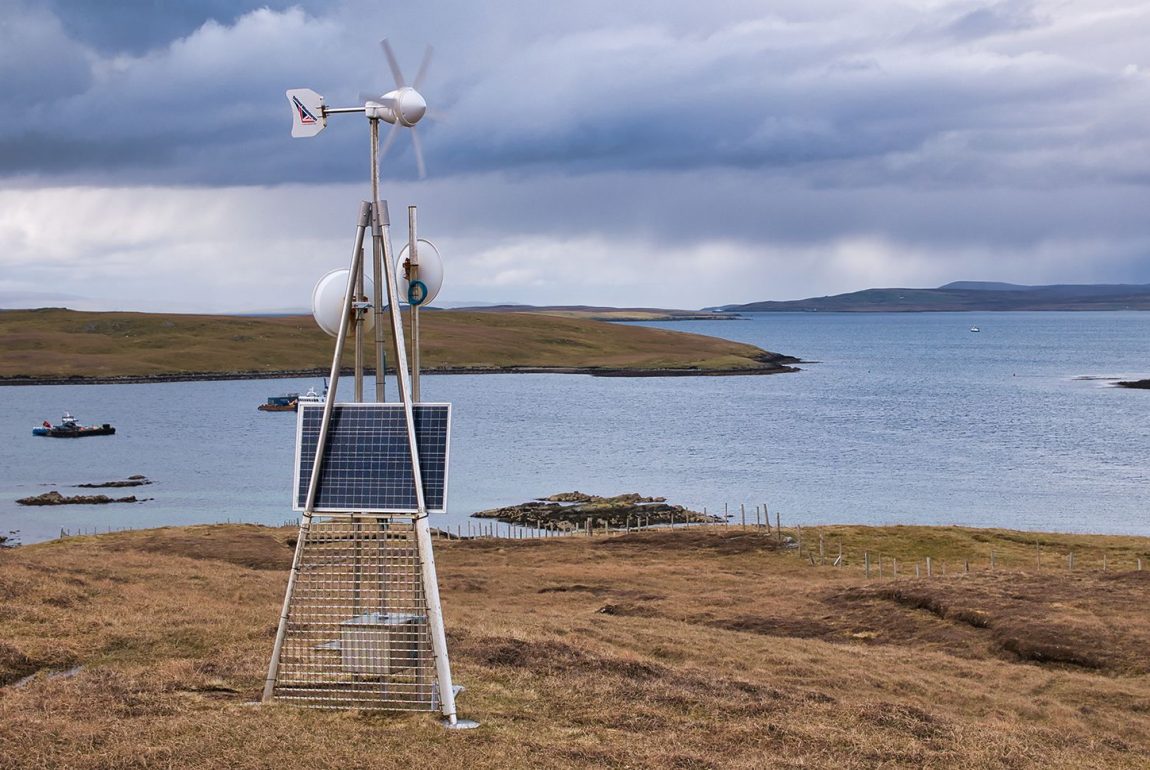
311, 397
284, 403
289, 402
70, 428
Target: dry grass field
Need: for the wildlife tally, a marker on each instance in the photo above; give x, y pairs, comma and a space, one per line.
55, 342
701, 648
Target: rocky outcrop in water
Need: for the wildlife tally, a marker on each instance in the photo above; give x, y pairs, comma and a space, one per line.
571, 510
131, 481
55, 498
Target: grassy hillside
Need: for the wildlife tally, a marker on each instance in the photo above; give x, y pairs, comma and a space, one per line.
57, 342
708, 648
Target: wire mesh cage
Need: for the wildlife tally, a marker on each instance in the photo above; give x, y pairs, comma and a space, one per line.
357, 633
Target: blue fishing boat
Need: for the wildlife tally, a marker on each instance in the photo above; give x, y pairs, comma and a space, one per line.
70, 428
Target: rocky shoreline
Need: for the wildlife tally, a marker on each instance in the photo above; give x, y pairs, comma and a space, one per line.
568, 511
773, 367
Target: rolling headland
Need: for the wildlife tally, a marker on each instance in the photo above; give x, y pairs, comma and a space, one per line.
708, 647
54, 345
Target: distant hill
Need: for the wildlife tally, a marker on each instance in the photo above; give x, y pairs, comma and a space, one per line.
967, 295
596, 313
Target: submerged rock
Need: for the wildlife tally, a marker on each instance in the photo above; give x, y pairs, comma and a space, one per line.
132, 481
571, 510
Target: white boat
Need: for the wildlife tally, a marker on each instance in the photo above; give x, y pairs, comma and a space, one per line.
974, 328
311, 397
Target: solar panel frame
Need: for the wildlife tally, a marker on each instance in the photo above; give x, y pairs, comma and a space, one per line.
379, 448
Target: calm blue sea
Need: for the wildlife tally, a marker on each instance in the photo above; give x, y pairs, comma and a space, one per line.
905, 418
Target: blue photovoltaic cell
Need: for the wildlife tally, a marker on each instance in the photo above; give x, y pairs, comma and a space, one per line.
367, 464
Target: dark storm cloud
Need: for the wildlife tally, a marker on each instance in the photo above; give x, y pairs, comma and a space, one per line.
737, 150
844, 96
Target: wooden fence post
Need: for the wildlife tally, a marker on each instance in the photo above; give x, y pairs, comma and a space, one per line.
743, 514
929, 573
866, 563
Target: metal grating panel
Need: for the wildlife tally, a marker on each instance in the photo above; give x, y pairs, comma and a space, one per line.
367, 463
357, 631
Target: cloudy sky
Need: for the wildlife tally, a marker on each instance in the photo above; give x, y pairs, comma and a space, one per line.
675, 154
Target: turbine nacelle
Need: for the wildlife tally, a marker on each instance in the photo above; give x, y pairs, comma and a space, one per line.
403, 106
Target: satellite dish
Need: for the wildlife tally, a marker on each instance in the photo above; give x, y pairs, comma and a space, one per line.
327, 301
430, 275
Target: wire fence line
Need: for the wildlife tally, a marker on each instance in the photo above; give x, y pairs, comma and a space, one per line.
810, 543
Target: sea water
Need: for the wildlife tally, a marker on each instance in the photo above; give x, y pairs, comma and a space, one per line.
897, 418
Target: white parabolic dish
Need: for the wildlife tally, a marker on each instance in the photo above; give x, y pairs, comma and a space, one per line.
327, 301
430, 272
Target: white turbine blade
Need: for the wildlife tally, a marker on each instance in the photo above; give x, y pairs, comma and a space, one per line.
390, 140
418, 146
392, 63
419, 76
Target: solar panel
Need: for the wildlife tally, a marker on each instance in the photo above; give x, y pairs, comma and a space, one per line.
367, 464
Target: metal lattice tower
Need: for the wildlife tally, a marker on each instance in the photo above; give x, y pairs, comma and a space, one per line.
362, 625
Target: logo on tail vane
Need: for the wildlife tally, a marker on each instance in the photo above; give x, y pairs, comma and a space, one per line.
305, 115
307, 112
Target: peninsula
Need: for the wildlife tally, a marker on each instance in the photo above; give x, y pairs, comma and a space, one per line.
56, 345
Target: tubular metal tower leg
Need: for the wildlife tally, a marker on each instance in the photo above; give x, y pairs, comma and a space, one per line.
313, 484
377, 253
422, 528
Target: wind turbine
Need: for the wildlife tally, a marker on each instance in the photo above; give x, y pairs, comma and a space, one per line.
403, 106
